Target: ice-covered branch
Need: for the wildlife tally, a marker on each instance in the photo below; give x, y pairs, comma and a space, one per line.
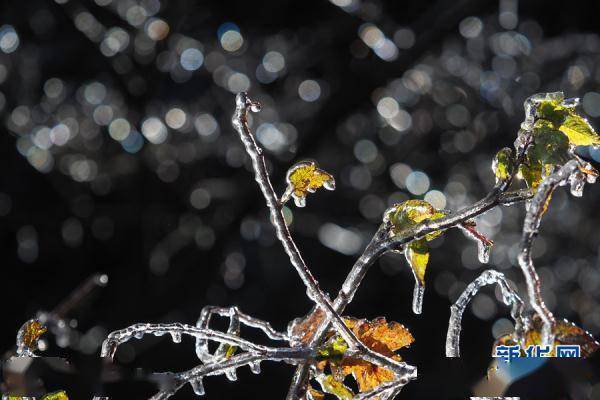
531, 226
240, 123
509, 297
236, 317
176, 330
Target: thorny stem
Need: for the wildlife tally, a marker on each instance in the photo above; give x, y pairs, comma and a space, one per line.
509, 297
531, 226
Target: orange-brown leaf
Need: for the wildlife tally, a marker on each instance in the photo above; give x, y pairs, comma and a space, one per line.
33, 330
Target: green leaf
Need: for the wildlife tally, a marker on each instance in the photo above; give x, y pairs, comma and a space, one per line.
503, 164
332, 351
579, 131
61, 395
532, 173
552, 110
550, 146
417, 255
332, 386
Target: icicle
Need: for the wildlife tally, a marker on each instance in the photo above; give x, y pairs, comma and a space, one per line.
176, 336
231, 374
577, 181
255, 367
483, 252
418, 293
198, 386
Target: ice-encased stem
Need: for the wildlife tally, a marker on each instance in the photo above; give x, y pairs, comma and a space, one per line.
531, 227
509, 297
240, 123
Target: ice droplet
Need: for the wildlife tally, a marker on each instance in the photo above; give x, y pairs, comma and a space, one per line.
198, 386
176, 336
231, 374
577, 181
483, 252
418, 293
138, 335
255, 367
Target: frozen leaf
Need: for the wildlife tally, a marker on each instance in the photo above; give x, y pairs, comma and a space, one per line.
31, 332
301, 330
305, 177
579, 131
332, 386
405, 215
532, 173
553, 110
550, 145
378, 335
333, 350
230, 350
566, 333
61, 395
502, 164
417, 255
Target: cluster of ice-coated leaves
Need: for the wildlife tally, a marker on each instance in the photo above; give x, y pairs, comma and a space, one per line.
403, 217
334, 364
303, 178
556, 129
28, 336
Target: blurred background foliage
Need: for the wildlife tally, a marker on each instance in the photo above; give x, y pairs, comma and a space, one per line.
118, 156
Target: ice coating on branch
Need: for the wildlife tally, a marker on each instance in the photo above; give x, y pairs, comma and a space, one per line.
531, 226
577, 180
418, 294
509, 297
484, 245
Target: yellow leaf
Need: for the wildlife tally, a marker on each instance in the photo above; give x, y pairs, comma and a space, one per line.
405, 215
61, 395
330, 385
33, 329
502, 164
304, 178
417, 255
230, 350
579, 131
566, 333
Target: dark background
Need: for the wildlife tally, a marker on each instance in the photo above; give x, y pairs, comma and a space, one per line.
166, 259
